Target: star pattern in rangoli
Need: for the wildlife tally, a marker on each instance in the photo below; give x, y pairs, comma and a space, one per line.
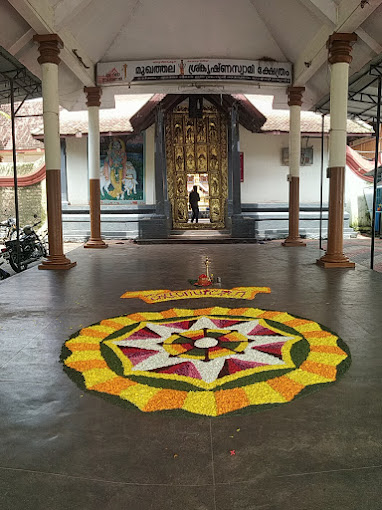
204, 348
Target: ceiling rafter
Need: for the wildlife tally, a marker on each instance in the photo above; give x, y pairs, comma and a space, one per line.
67, 10
40, 17
21, 42
323, 9
349, 16
366, 38
327, 11
130, 13
270, 31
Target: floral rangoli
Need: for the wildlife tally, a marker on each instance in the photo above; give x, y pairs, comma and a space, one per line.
209, 361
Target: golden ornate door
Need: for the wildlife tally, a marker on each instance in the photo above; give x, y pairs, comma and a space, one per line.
197, 146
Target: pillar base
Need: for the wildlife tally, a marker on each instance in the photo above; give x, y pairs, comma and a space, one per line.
95, 243
293, 242
59, 262
328, 261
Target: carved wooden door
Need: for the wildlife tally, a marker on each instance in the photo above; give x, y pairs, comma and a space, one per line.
197, 146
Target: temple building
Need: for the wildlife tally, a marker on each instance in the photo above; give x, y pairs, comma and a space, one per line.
128, 200
199, 367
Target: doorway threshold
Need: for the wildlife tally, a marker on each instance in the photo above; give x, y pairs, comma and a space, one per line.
197, 237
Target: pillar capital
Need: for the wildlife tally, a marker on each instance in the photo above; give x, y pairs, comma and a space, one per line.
339, 46
49, 48
93, 96
295, 96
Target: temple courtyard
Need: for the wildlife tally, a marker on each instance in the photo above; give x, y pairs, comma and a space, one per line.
63, 447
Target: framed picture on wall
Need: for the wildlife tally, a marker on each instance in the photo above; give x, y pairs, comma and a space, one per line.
122, 169
305, 159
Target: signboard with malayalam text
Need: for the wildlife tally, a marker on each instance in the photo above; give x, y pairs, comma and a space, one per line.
130, 72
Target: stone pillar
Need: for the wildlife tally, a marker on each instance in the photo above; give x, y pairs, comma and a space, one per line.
294, 102
49, 48
93, 96
339, 46
159, 159
235, 154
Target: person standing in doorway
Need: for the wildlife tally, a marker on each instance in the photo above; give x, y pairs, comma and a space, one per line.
194, 199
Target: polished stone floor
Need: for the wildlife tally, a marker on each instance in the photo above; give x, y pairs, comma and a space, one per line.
66, 450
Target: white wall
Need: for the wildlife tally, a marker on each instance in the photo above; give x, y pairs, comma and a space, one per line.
355, 201
77, 170
265, 179
150, 165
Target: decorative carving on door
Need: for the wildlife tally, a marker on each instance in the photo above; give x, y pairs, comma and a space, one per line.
197, 146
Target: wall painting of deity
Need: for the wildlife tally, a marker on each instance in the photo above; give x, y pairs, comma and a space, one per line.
122, 169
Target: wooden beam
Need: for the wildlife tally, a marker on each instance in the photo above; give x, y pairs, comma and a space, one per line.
40, 16
350, 15
326, 10
67, 10
366, 38
21, 42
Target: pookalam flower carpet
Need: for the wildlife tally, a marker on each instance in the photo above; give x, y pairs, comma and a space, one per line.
208, 361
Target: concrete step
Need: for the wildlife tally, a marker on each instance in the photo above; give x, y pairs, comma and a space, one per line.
196, 240
200, 233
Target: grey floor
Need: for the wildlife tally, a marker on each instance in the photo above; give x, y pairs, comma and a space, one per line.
63, 449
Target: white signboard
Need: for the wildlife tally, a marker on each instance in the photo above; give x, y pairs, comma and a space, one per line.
128, 72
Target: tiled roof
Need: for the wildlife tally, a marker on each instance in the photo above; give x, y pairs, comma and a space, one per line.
311, 123
278, 121
115, 120
23, 126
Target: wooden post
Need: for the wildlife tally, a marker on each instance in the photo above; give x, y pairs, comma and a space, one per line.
339, 46
294, 102
49, 48
93, 96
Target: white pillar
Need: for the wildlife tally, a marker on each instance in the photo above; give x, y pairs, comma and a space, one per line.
49, 48
294, 140
294, 102
94, 142
93, 95
51, 116
339, 46
338, 114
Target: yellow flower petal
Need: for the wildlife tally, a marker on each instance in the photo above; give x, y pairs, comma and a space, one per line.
262, 393
201, 402
307, 378
326, 358
84, 356
139, 394
97, 375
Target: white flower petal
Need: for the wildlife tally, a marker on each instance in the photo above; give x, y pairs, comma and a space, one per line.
253, 355
160, 360
209, 370
245, 327
267, 340
203, 322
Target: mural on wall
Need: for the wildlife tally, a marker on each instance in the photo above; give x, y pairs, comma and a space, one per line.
121, 172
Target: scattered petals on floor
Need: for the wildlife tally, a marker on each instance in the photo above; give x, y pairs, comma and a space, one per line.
209, 361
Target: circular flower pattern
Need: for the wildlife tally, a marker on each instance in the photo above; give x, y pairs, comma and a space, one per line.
209, 361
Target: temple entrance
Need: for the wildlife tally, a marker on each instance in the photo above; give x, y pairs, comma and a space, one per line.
201, 181
196, 154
